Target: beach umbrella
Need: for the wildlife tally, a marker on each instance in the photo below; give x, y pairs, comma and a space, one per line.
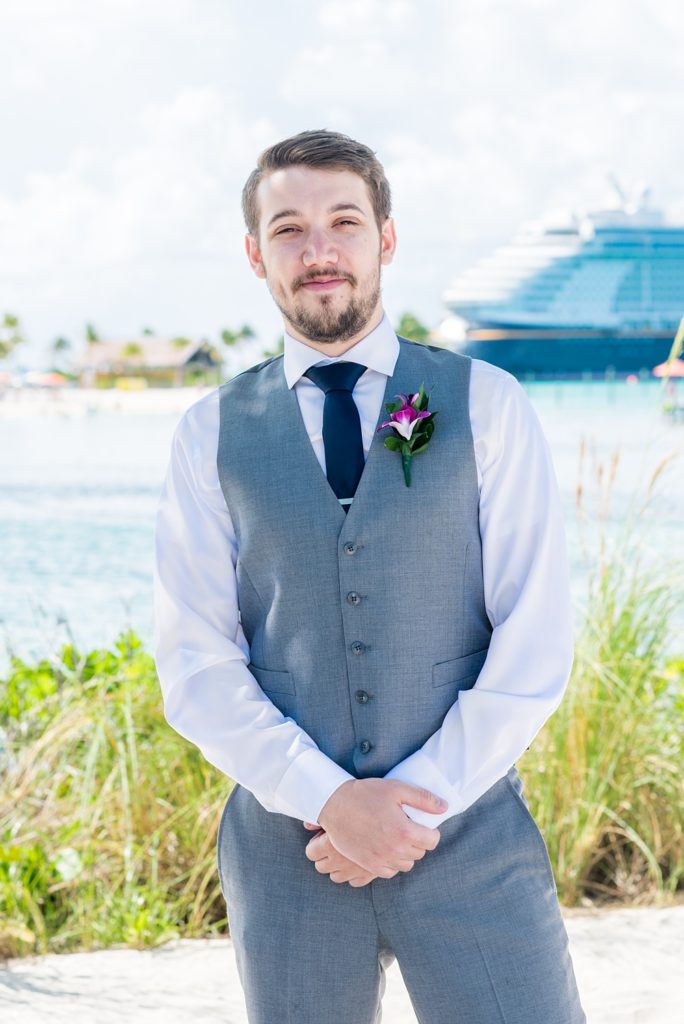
51, 379
673, 368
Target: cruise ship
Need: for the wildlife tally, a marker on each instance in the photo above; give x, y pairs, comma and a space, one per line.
584, 295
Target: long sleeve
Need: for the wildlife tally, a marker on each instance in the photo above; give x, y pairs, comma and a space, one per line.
210, 696
527, 597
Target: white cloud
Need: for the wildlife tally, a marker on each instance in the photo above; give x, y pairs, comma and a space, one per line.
355, 16
369, 73
133, 127
167, 209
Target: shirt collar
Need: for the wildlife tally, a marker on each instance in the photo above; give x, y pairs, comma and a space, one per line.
379, 351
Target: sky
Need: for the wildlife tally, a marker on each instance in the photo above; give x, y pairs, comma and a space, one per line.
128, 129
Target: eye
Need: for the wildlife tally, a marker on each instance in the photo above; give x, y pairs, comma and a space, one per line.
282, 231
347, 221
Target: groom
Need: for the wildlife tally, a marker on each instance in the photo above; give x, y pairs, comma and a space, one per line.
364, 657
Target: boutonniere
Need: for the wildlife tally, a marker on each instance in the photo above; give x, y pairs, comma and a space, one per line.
413, 423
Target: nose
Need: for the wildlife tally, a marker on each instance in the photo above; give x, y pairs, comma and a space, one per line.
319, 247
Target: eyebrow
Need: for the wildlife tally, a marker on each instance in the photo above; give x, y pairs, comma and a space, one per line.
333, 209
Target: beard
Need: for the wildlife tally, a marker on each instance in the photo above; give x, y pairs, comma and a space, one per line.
326, 324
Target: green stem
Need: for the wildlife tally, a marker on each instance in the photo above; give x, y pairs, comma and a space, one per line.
406, 460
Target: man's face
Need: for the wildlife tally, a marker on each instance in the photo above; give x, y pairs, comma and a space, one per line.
320, 251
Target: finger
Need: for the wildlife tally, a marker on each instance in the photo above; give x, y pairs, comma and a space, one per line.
317, 847
416, 853
310, 825
315, 850
423, 799
424, 838
323, 866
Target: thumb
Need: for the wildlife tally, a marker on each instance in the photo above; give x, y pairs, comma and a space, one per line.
310, 825
423, 799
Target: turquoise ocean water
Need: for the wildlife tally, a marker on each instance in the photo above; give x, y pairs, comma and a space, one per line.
78, 496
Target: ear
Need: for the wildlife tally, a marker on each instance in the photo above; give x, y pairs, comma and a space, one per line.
388, 241
254, 255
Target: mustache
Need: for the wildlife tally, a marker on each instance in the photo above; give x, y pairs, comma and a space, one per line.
315, 277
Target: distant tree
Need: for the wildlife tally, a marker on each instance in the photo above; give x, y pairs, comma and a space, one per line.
91, 334
232, 337
410, 327
132, 349
180, 342
147, 331
60, 346
10, 334
280, 347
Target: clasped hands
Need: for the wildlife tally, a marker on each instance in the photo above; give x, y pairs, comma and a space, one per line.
364, 833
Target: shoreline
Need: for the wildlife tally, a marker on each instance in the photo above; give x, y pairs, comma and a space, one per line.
627, 961
83, 402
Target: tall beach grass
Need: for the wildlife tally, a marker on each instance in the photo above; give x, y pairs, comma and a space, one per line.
108, 819
605, 775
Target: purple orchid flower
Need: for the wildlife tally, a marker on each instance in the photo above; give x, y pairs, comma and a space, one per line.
409, 399
404, 422
405, 419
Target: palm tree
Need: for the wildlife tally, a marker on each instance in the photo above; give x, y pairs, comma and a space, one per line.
280, 347
410, 327
10, 334
232, 337
59, 346
91, 334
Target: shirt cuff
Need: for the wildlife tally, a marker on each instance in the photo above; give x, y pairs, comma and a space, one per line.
308, 783
419, 770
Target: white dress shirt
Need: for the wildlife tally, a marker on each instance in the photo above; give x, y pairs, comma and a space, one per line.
211, 697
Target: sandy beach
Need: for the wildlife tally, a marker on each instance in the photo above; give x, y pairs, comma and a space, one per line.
79, 402
628, 964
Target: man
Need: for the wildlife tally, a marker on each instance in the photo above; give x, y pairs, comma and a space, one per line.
364, 657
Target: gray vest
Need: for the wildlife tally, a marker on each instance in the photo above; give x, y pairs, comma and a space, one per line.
363, 627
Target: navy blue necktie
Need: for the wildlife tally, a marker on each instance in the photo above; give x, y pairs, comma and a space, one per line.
344, 460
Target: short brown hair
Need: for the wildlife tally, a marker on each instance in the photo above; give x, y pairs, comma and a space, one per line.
319, 148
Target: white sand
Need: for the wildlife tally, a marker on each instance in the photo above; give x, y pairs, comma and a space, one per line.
629, 966
80, 402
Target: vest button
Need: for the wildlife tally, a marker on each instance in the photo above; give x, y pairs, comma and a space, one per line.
365, 746
353, 597
349, 548
362, 696
357, 647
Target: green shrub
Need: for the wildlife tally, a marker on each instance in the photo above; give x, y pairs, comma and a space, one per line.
108, 818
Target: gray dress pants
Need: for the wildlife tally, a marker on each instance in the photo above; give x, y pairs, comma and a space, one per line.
475, 925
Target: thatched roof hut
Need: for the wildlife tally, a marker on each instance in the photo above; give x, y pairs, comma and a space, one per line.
161, 361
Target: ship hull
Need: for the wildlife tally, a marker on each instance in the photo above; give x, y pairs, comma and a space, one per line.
564, 353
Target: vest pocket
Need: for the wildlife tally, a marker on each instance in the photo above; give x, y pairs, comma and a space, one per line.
268, 680
459, 670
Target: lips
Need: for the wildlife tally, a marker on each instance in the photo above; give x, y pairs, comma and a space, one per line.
323, 284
